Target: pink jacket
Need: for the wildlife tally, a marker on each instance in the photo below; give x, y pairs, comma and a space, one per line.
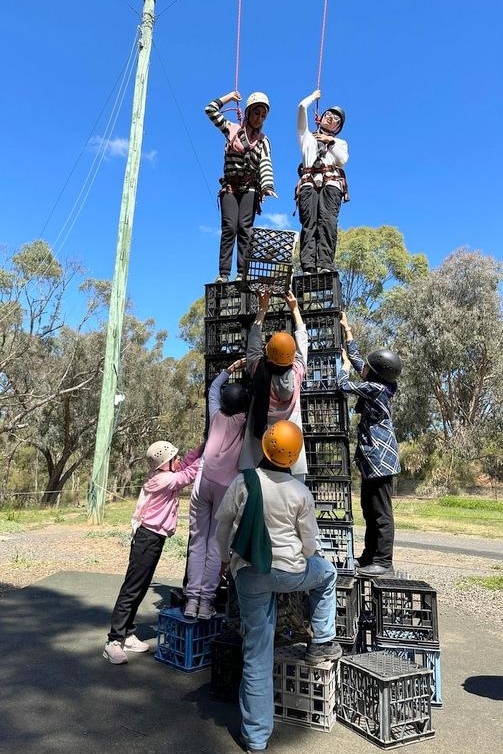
157, 506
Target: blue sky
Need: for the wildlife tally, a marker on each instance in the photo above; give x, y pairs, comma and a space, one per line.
420, 81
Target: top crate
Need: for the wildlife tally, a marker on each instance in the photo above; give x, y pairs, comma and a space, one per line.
269, 245
318, 292
269, 260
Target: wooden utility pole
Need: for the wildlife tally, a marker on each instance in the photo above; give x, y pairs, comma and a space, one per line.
108, 407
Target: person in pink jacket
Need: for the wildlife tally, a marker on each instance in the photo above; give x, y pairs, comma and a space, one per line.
154, 519
227, 407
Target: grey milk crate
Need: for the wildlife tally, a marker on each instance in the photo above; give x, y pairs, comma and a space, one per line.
318, 292
406, 612
324, 413
304, 695
386, 699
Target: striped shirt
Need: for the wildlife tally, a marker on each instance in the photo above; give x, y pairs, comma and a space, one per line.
377, 449
249, 168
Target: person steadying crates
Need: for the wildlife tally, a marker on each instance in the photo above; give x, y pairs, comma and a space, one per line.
227, 407
322, 185
154, 520
377, 449
247, 179
277, 370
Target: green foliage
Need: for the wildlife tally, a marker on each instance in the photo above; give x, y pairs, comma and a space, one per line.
369, 260
192, 326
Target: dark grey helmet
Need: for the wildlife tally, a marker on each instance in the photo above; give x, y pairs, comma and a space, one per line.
234, 398
336, 110
385, 363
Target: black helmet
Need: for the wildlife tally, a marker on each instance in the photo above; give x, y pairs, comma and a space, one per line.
234, 398
336, 110
386, 364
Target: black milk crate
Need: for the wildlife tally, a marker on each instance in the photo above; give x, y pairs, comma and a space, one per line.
185, 643
425, 656
272, 245
293, 619
276, 304
214, 365
327, 457
321, 291
332, 497
304, 694
324, 331
321, 372
385, 698
275, 277
337, 545
226, 667
224, 300
224, 336
324, 413
366, 636
279, 322
347, 609
406, 612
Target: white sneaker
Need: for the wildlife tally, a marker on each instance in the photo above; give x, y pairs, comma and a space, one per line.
134, 644
114, 653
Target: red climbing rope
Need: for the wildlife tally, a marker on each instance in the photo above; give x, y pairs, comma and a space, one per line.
322, 44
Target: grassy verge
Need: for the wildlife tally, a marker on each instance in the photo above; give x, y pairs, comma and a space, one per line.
467, 515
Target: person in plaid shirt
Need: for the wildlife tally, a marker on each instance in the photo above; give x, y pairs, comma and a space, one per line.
377, 449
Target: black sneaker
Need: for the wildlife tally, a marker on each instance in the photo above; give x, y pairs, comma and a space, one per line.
329, 650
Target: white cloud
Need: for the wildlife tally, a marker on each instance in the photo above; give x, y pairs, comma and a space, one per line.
209, 230
117, 147
278, 219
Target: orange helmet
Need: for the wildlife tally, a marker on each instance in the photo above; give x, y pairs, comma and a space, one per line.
282, 443
280, 349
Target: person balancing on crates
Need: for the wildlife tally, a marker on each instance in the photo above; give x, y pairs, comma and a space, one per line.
376, 450
322, 185
247, 179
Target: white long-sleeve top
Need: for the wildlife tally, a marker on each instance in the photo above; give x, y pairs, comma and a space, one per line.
288, 514
333, 154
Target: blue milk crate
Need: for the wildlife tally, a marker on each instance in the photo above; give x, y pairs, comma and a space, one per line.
185, 643
425, 656
337, 545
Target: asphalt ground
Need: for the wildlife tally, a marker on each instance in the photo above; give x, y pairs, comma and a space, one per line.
58, 695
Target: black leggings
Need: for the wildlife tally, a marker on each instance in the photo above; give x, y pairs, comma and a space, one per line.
378, 514
146, 549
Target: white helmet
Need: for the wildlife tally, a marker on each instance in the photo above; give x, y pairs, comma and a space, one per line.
258, 98
159, 453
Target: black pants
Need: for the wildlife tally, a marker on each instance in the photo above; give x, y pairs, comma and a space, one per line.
380, 526
146, 549
318, 213
238, 213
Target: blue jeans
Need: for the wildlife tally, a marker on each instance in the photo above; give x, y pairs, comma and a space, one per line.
257, 606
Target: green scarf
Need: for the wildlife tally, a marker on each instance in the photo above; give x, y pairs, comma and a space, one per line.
252, 541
